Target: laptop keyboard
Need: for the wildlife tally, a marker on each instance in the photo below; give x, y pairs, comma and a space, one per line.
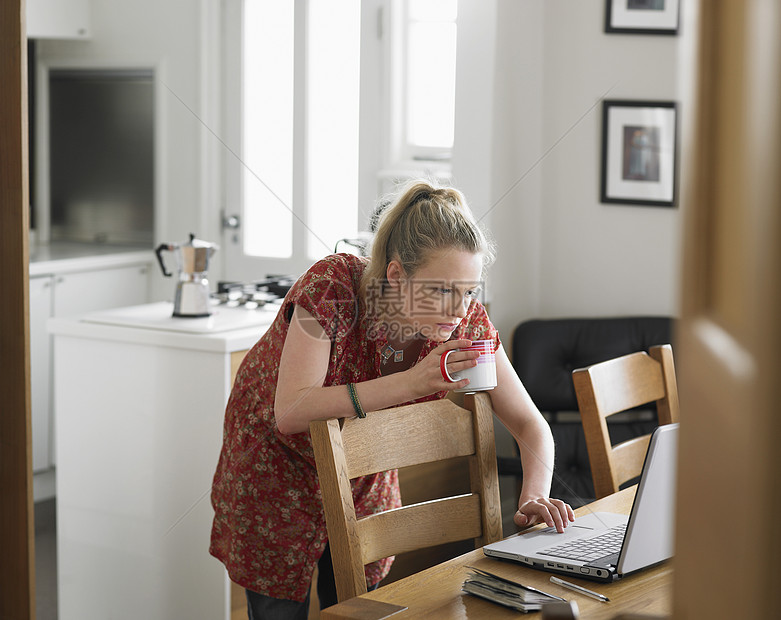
590, 549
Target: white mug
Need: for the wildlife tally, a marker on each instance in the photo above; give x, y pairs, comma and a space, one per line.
481, 377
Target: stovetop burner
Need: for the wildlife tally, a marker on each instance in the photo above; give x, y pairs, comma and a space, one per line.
253, 294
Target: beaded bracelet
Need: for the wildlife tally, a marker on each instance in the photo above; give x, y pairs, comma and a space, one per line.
356, 403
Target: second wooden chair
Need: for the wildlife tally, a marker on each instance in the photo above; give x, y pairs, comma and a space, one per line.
615, 386
401, 437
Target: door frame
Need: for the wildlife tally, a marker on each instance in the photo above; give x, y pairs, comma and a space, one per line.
729, 334
17, 532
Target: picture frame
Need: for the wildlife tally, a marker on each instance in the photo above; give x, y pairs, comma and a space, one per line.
642, 16
639, 153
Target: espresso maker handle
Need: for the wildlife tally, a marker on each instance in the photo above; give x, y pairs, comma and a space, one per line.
159, 252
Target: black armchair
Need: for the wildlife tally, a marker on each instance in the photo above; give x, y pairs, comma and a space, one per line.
544, 354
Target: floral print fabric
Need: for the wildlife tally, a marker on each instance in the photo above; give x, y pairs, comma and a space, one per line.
269, 527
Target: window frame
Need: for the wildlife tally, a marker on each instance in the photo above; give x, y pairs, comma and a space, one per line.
401, 154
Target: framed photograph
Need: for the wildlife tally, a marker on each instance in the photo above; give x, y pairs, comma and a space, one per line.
639, 153
641, 16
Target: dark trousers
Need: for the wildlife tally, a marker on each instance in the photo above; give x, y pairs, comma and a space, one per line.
260, 607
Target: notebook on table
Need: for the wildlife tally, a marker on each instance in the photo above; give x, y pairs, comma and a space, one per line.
604, 546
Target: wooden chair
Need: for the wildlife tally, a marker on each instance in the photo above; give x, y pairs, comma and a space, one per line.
614, 386
400, 437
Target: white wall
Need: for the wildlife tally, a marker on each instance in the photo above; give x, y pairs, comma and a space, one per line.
562, 252
498, 141
527, 150
176, 38
631, 252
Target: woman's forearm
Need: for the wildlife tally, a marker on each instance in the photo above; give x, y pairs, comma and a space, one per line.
297, 408
537, 458
300, 394
519, 414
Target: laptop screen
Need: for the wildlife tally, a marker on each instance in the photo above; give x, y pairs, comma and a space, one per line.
650, 533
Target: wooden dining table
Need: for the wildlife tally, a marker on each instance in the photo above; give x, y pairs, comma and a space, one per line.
436, 592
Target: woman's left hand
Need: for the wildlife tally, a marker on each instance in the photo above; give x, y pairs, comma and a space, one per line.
552, 512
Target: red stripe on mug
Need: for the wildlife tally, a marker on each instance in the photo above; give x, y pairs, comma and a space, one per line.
487, 347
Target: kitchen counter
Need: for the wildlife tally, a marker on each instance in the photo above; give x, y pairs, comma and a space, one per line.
64, 256
140, 399
227, 330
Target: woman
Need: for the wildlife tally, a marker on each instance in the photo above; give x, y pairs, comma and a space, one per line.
358, 334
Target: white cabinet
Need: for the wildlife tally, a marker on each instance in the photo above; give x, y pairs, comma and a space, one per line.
63, 295
58, 19
101, 289
139, 429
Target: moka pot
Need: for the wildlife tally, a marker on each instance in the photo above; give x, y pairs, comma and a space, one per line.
192, 289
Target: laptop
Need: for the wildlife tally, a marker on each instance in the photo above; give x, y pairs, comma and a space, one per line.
604, 546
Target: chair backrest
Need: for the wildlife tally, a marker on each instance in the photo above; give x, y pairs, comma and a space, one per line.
614, 386
400, 437
545, 351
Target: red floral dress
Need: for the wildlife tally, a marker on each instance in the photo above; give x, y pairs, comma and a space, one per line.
269, 527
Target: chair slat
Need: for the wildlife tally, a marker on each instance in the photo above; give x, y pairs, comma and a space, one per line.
447, 434
628, 459
627, 382
419, 526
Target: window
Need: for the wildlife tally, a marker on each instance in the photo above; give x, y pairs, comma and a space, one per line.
333, 62
292, 119
267, 178
297, 129
423, 79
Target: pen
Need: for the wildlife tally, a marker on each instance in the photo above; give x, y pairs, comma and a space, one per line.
580, 589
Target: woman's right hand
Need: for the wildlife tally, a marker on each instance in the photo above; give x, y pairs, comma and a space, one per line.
426, 376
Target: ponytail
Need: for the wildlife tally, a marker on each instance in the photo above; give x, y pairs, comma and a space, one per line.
424, 218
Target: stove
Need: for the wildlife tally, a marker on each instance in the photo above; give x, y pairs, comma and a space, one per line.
253, 294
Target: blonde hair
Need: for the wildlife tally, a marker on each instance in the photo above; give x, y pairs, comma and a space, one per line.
422, 219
